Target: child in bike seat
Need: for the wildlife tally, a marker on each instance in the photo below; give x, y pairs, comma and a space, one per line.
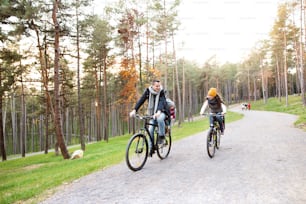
216, 105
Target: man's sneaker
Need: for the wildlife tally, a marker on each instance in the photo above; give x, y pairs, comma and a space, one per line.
151, 151
222, 133
161, 139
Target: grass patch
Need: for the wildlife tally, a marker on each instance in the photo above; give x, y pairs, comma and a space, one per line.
27, 180
295, 107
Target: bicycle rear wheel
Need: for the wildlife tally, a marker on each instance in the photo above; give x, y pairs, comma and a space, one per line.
136, 152
163, 149
210, 143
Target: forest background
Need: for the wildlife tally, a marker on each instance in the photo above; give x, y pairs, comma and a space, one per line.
70, 77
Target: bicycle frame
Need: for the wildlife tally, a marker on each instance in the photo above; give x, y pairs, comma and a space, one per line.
146, 126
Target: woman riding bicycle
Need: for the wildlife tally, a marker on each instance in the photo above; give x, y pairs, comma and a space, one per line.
157, 106
216, 105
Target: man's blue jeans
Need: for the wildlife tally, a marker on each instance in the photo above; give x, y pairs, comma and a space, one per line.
160, 121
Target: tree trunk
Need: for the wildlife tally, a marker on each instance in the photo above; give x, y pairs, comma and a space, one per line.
190, 113
2, 144
57, 115
139, 61
44, 75
80, 111
302, 83
263, 86
166, 50
184, 98
40, 132
33, 138
147, 37
46, 129
4, 117
285, 68
249, 85
98, 108
22, 122
178, 89
278, 79
106, 119
14, 124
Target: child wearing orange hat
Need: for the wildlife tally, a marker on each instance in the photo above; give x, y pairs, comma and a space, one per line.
216, 105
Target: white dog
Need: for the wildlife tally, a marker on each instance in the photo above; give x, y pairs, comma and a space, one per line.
243, 106
77, 154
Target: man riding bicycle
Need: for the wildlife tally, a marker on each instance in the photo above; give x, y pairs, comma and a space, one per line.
157, 106
216, 105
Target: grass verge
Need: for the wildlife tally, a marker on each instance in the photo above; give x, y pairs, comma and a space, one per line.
294, 107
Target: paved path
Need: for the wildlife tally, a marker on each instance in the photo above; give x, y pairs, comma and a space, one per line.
262, 159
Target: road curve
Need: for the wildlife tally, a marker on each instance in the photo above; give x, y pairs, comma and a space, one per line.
262, 159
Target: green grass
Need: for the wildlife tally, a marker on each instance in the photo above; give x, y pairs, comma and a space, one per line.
295, 107
29, 179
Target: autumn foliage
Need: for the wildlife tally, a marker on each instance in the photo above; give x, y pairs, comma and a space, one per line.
128, 78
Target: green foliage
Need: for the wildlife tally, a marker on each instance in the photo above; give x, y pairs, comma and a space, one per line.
8, 69
31, 177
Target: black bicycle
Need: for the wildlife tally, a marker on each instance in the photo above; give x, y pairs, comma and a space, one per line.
213, 136
137, 150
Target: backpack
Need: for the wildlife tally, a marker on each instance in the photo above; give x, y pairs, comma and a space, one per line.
171, 110
170, 103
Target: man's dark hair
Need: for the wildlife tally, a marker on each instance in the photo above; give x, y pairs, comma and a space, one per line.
155, 80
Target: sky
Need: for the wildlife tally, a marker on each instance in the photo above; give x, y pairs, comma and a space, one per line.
226, 29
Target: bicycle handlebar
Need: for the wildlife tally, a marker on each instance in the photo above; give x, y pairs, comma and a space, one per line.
213, 114
144, 117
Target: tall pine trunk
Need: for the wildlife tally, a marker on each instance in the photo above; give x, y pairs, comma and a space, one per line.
44, 76
80, 111
285, 68
105, 112
278, 79
2, 145
22, 122
14, 124
57, 115
301, 57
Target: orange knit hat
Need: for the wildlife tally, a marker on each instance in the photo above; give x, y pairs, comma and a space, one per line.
212, 92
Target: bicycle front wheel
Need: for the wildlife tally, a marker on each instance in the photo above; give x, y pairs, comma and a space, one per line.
136, 152
218, 139
210, 143
163, 149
